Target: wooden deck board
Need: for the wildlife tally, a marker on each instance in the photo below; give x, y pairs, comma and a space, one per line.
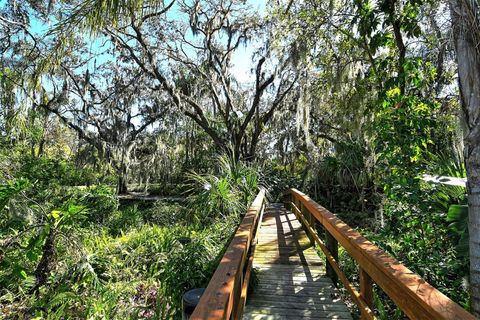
291, 276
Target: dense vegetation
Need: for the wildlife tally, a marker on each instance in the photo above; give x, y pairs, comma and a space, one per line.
75, 251
201, 102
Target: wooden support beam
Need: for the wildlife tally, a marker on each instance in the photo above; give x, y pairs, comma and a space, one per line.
332, 245
366, 288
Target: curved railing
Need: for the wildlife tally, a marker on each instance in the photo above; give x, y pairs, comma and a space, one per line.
225, 295
412, 294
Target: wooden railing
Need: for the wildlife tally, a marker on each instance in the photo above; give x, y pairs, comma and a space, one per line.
226, 293
412, 294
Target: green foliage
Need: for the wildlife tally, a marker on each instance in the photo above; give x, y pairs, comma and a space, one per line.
99, 200
458, 218
10, 189
165, 213
278, 179
122, 220
226, 194
142, 272
403, 128
342, 181
106, 260
48, 173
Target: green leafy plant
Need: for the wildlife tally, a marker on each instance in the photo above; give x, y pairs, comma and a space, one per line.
458, 218
225, 194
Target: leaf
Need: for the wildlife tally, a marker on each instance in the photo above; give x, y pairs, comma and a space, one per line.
462, 246
55, 214
32, 255
23, 274
458, 216
62, 298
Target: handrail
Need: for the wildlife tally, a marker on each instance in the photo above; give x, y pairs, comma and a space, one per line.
224, 297
412, 294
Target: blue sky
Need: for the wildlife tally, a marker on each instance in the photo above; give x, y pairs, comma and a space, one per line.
242, 59
242, 64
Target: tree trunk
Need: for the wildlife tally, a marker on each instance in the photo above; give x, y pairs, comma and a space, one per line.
43, 267
41, 147
251, 154
187, 147
466, 34
122, 186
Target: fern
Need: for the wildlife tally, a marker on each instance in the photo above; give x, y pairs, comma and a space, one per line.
62, 299
59, 305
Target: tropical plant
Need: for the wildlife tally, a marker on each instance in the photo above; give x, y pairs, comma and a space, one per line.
225, 194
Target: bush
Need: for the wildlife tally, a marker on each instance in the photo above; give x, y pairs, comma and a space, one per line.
225, 194
47, 172
99, 200
165, 213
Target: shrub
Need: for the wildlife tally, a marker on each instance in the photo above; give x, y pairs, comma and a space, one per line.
225, 194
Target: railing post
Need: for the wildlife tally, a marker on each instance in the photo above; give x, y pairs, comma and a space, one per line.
366, 289
237, 292
298, 204
312, 221
308, 220
332, 245
287, 200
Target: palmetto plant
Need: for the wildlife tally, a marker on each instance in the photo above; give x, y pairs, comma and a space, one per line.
453, 199
226, 193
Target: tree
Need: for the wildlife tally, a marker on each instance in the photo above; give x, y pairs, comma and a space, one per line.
19, 49
189, 58
466, 32
111, 119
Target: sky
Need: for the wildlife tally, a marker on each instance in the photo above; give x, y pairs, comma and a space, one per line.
242, 63
241, 60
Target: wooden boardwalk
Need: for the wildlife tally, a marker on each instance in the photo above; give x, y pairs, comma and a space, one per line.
291, 276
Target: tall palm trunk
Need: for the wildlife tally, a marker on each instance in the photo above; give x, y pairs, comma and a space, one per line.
465, 24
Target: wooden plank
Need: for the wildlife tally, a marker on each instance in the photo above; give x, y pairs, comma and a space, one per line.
289, 312
274, 257
278, 317
323, 293
414, 296
299, 305
284, 234
299, 250
287, 277
291, 282
274, 267
291, 285
291, 262
292, 255
290, 273
295, 282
